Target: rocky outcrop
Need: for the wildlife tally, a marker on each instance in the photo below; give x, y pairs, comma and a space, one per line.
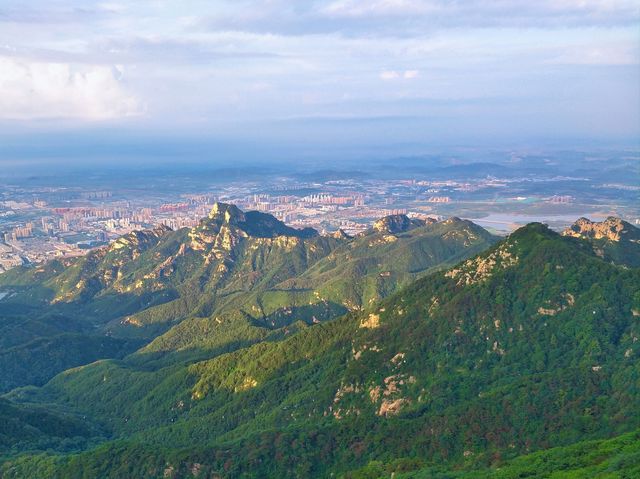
226, 225
252, 223
396, 224
140, 240
612, 229
341, 235
389, 397
613, 239
371, 322
482, 267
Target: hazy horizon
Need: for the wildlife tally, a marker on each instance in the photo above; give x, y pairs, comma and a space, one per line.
269, 80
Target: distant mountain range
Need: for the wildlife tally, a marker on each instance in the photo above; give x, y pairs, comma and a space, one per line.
439, 351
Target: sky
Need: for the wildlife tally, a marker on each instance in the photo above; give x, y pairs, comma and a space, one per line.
381, 74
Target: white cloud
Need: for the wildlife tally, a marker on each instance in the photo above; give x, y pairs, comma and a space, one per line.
395, 75
389, 75
231, 61
483, 13
354, 8
33, 90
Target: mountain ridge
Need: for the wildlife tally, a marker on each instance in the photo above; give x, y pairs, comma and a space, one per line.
613, 239
527, 345
249, 271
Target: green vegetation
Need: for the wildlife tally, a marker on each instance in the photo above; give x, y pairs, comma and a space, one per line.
234, 280
529, 346
612, 458
613, 239
40, 359
37, 427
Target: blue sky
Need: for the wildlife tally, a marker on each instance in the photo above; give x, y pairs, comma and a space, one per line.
354, 73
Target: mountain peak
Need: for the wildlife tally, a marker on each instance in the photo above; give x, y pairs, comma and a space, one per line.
612, 228
226, 212
396, 224
253, 223
341, 234
531, 233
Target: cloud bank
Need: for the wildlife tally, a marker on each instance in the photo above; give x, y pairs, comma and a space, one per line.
34, 90
196, 65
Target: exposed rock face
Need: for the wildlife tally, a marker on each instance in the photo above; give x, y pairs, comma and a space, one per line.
550, 309
391, 407
251, 223
482, 268
613, 239
247, 383
226, 213
371, 322
452, 220
613, 229
226, 224
396, 224
389, 396
140, 239
94, 275
341, 234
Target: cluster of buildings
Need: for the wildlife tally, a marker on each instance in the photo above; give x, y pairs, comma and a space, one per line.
34, 229
18, 232
561, 199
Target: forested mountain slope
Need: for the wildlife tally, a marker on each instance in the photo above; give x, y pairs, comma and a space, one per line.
609, 458
529, 345
235, 279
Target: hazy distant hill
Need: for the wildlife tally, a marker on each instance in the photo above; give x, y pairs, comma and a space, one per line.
529, 345
235, 279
